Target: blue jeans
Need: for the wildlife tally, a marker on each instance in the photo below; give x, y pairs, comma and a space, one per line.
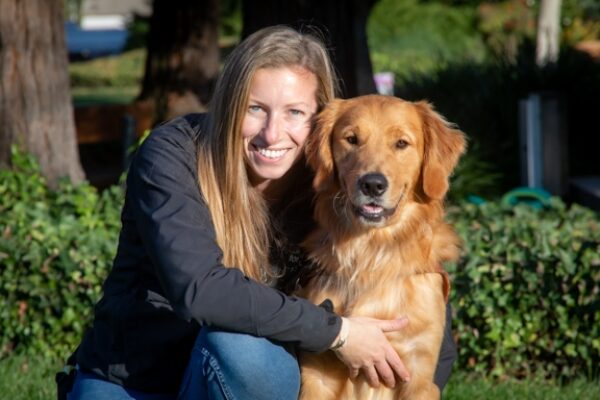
228, 366
222, 366
90, 386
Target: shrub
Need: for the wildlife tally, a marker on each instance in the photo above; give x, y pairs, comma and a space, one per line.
526, 292
55, 250
410, 37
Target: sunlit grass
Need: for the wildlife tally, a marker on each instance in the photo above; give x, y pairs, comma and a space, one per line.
126, 69
85, 96
463, 386
107, 80
27, 378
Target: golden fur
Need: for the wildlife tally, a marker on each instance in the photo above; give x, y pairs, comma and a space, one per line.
381, 241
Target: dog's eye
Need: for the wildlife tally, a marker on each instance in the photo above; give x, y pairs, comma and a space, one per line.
352, 139
401, 144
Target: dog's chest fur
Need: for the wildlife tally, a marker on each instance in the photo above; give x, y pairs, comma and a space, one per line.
382, 274
368, 273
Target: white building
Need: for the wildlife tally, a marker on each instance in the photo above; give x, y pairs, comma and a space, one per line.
112, 14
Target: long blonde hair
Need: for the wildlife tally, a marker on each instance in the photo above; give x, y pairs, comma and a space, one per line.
239, 212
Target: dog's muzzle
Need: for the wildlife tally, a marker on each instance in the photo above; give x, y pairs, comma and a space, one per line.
371, 187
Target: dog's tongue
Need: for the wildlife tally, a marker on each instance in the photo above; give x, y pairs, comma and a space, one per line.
371, 209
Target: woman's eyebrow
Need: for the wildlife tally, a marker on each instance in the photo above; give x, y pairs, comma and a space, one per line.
299, 103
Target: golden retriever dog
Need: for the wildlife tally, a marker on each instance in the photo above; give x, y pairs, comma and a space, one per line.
381, 173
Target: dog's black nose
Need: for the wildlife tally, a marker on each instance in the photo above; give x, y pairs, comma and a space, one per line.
373, 184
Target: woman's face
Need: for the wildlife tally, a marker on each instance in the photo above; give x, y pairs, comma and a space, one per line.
281, 105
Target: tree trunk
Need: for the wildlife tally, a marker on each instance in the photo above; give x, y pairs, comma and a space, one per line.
183, 56
343, 23
548, 32
36, 112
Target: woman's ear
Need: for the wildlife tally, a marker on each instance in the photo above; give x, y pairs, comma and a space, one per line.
443, 147
318, 150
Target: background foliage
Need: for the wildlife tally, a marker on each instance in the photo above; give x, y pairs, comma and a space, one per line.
410, 37
55, 250
526, 291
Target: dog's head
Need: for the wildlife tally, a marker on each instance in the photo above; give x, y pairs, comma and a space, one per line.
379, 152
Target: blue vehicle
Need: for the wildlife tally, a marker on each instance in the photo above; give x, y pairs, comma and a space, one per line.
84, 44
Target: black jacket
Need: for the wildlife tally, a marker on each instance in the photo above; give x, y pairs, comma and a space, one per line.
167, 278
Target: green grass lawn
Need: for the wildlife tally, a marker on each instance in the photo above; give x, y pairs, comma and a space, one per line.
107, 80
461, 387
32, 378
83, 96
29, 378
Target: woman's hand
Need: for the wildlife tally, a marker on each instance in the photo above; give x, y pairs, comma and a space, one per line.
365, 348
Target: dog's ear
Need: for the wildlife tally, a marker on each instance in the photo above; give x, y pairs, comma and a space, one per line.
318, 150
443, 147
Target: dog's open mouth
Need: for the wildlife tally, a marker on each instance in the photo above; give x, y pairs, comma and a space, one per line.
373, 212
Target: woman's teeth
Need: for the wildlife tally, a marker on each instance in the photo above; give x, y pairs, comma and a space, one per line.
272, 153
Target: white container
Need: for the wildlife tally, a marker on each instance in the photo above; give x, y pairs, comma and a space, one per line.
384, 82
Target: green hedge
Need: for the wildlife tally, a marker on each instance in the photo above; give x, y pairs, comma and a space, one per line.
525, 293
56, 247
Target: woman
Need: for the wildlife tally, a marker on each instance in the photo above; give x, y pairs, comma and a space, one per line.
208, 200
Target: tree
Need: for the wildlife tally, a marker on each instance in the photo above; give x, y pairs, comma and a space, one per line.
342, 21
36, 112
183, 56
548, 32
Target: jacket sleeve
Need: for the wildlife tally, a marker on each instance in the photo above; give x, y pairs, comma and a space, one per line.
448, 353
178, 235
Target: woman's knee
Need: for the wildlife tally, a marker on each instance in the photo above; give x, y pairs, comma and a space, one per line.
251, 365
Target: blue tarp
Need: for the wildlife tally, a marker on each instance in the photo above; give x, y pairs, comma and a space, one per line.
91, 43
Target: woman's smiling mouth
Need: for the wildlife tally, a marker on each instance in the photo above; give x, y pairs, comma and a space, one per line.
271, 154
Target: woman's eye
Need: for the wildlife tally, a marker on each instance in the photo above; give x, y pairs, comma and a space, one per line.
254, 109
352, 139
401, 144
297, 114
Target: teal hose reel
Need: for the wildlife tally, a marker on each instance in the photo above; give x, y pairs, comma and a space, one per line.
535, 197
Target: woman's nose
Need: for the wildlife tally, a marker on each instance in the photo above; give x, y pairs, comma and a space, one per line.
271, 130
